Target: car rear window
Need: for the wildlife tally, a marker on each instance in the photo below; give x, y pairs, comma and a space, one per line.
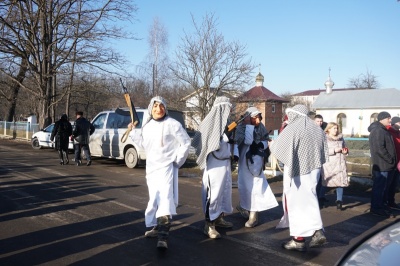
177, 115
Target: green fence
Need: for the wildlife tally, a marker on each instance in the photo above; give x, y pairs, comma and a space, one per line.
23, 130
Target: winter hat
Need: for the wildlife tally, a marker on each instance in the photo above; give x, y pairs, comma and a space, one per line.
383, 115
395, 120
253, 111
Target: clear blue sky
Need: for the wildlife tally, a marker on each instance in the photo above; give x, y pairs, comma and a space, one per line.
295, 41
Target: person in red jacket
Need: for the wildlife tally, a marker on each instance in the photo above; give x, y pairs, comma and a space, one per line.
394, 130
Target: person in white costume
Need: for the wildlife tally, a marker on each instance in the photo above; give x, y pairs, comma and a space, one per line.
303, 149
251, 140
213, 151
166, 144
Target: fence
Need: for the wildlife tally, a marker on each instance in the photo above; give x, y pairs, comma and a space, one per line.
23, 130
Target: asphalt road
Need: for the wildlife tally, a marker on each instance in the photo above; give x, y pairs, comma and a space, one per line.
67, 215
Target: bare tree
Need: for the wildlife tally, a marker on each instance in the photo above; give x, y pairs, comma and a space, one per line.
364, 81
51, 34
206, 64
158, 42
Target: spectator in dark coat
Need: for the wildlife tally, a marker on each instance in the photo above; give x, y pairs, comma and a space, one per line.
61, 131
81, 135
383, 155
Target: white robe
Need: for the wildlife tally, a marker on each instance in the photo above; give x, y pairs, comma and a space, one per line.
254, 190
167, 146
302, 214
217, 181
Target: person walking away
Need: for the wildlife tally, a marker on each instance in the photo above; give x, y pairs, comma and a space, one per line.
213, 149
166, 144
303, 149
334, 172
319, 121
383, 156
254, 191
394, 130
81, 136
61, 132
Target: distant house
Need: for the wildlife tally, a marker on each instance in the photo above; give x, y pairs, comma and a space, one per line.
268, 103
354, 109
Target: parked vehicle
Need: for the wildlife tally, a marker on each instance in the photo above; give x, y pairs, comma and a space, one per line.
41, 139
381, 247
110, 127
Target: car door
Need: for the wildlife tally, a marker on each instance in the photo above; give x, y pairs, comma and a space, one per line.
99, 141
44, 139
117, 125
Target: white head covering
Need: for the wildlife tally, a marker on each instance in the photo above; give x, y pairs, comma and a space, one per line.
302, 145
157, 99
211, 129
260, 132
253, 111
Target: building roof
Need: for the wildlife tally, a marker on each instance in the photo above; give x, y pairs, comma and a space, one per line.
358, 99
260, 93
317, 92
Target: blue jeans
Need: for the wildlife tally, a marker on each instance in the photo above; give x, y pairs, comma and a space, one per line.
392, 186
380, 188
85, 148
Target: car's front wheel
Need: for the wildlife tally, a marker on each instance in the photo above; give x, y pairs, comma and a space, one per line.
131, 158
35, 144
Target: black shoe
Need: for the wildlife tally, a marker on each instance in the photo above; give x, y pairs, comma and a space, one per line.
394, 206
61, 162
339, 204
88, 163
162, 244
380, 212
77, 162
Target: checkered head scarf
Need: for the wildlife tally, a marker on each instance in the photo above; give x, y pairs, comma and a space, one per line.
302, 145
211, 129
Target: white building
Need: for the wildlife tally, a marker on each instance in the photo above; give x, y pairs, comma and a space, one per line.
356, 109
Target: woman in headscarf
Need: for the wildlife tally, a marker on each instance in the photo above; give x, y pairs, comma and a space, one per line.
213, 151
166, 144
61, 131
251, 138
303, 149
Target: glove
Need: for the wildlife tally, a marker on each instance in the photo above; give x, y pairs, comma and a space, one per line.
260, 145
235, 158
231, 141
253, 148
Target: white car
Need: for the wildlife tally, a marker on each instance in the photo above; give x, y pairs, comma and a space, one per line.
111, 125
41, 139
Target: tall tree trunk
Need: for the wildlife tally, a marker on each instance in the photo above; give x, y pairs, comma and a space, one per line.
15, 89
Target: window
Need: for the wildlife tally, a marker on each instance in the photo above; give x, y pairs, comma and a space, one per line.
341, 120
273, 108
99, 122
121, 121
373, 118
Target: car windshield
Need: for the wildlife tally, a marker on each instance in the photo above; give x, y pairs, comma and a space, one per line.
49, 128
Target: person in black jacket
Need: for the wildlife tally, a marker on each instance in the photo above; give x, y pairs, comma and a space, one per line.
61, 131
81, 135
383, 155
